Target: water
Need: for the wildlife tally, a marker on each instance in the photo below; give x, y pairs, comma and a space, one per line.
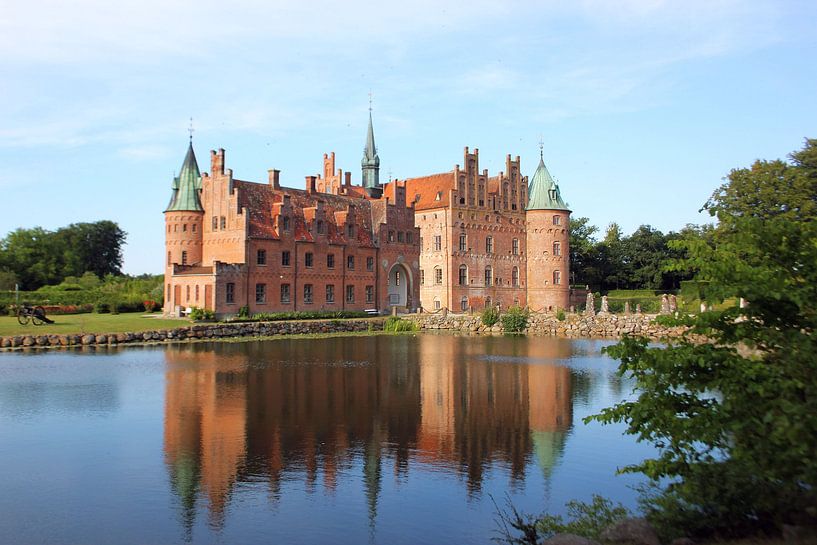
389, 439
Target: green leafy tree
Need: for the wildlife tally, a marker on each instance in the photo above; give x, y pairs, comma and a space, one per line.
582, 250
92, 247
735, 419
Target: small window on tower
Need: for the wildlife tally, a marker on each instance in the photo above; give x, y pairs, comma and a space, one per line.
193, 227
184, 257
215, 223
223, 222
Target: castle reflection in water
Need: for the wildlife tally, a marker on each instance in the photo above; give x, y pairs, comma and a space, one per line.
298, 410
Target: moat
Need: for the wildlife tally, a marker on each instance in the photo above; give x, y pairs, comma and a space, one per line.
384, 439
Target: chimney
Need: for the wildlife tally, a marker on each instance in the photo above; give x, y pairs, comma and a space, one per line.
348, 180
310, 184
274, 178
217, 161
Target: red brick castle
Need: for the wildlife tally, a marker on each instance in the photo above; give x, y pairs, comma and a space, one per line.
459, 240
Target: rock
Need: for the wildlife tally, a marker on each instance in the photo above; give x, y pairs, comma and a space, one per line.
631, 531
682, 541
569, 539
101, 339
88, 339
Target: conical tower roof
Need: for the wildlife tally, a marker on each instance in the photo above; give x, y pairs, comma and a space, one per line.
186, 186
370, 151
543, 191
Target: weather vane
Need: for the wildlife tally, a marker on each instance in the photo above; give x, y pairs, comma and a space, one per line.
370, 100
541, 146
191, 130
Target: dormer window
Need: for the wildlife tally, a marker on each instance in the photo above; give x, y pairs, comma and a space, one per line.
350, 231
285, 223
439, 196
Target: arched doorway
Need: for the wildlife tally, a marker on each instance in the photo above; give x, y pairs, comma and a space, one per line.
399, 290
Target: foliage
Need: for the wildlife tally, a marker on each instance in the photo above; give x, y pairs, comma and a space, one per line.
129, 292
735, 419
515, 320
197, 314
560, 315
7, 280
102, 307
38, 257
243, 312
585, 519
490, 316
397, 324
150, 305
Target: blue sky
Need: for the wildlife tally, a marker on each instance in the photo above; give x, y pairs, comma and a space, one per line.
643, 105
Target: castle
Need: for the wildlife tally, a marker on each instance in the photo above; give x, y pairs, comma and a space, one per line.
459, 240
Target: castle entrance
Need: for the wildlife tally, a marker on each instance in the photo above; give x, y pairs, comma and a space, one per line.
399, 286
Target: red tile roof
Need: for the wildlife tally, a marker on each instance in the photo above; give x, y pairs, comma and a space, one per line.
430, 191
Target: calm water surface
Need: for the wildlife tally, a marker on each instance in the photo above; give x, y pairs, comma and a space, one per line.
390, 439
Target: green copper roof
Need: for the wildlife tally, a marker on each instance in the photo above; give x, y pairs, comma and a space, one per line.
370, 151
543, 193
186, 186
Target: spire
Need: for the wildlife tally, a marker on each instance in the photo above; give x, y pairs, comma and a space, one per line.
187, 184
543, 192
371, 162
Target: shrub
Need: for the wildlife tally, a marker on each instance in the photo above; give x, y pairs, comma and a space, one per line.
490, 316
150, 305
102, 307
244, 312
303, 315
560, 315
397, 324
515, 320
197, 314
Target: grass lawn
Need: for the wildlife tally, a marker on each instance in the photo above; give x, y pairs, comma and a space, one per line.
91, 323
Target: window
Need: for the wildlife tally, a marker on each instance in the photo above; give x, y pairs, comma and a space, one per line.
516, 246
422, 277
370, 294
184, 228
260, 293
409, 237
184, 257
330, 261
463, 278
557, 277
285, 223
437, 304
321, 227
193, 227
557, 220
308, 294
557, 248
463, 242
285, 257
391, 236
369, 263
308, 259
350, 262
223, 222
515, 277
168, 258
488, 302
438, 244
464, 303
215, 223
285, 296
176, 228
261, 257
350, 294
489, 276
229, 293
350, 231
438, 275
187, 293
197, 292
489, 245
330, 293
397, 278
400, 236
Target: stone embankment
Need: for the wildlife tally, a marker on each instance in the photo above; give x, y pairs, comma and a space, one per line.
194, 332
611, 326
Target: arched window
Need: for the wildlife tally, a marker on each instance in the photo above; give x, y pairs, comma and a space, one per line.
489, 276
557, 248
489, 245
557, 220
223, 222
515, 277
557, 277
437, 304
438, 275
463, 278
464, 303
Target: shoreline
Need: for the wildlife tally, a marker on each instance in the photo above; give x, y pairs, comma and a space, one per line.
573, 326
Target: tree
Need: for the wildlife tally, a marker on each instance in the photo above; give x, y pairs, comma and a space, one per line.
92, 247
581, 249
735, 419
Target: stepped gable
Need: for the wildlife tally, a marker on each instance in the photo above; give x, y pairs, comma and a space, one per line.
423, 191
260, 199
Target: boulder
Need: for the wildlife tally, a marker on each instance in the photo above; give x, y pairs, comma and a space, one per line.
630, 531
88, 339
569, 539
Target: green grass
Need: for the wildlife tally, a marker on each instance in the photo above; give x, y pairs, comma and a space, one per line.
90, 323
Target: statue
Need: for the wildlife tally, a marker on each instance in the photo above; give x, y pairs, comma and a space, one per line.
590, 308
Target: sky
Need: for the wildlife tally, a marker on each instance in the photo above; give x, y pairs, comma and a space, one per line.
643, 106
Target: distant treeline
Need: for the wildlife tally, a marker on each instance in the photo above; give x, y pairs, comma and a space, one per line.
36, 257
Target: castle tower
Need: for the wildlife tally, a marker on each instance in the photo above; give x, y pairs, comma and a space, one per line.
371, 163
183, 218
548, 236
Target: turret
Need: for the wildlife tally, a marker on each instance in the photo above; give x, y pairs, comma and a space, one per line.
184, 216
371, 164
548, 238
